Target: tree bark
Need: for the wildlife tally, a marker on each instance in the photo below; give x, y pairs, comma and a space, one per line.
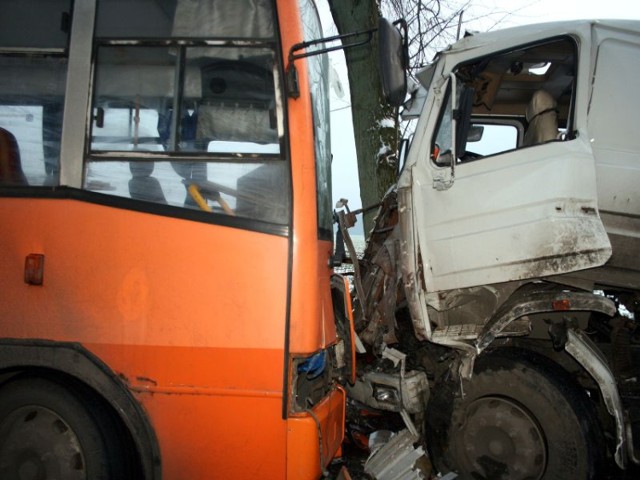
374, 122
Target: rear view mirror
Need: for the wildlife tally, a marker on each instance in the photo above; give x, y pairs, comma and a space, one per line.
475, 133
392, 51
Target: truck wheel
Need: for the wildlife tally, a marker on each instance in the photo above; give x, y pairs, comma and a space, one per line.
48, 432
522, 418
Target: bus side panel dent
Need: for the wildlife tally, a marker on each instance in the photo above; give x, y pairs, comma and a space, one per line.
318, 433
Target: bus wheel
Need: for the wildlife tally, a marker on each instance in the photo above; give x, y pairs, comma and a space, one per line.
47, 432
522, 418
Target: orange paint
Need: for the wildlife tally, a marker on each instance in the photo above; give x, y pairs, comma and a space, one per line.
197, 321
303, 435
311, 269
176, 309
117, 276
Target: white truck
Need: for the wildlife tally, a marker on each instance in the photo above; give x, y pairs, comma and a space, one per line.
504, 268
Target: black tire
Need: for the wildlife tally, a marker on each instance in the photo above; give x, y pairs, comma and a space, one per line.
49, 431
521, 418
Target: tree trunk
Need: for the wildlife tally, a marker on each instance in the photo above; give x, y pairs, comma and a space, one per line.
374, 122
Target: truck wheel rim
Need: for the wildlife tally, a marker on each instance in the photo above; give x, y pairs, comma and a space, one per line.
37, 444
501, 438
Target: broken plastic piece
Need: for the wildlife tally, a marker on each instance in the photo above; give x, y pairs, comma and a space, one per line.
314, 366
450, 476
394, 355
399, 459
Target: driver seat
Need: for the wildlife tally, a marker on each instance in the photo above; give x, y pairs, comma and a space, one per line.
542, 116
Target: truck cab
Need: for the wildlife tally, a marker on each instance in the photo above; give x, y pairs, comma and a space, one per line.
514, 241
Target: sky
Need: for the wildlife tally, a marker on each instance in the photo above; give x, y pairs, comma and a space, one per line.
551, 10
508, 12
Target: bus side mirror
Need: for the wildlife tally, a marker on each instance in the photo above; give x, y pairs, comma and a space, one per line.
392, 51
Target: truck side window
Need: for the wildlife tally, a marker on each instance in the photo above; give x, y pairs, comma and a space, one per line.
442, 146
489, 138
194, 98
33, 62
521, 98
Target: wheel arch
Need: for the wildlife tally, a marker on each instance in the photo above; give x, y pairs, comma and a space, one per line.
75, 362
559, 364
499, 357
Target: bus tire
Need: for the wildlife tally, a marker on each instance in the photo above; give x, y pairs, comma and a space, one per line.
522, 417
49, 430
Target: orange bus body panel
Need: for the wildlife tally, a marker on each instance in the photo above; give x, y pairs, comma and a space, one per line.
311, 270
179, 309
123, 277
303, 436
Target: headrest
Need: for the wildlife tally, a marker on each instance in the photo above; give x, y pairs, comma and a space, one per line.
141, 169
541, 102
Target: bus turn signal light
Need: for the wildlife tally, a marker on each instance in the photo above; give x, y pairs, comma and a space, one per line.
34, 269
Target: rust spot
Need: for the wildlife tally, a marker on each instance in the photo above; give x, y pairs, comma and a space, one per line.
148, 381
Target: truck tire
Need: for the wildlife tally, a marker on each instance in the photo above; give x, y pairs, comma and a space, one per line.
49, 431
521, 418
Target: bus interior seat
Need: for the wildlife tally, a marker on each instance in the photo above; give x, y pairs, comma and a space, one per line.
542, 117
142, 185
10, 164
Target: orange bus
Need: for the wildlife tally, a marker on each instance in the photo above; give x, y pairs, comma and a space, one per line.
167, 304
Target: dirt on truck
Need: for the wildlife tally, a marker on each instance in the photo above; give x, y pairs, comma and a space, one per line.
497, 300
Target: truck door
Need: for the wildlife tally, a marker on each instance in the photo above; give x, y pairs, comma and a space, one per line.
512, 211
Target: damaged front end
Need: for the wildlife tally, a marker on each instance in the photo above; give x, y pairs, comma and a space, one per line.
383, 381
317, 401
394, 390
443, 333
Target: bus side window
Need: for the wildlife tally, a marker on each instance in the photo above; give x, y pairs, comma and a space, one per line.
202, 117
32, 85
10, 165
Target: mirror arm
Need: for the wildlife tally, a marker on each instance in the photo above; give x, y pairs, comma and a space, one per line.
293, 86
405, 37
301, 46
454, 126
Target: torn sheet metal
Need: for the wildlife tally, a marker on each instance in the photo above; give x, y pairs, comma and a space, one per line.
398, 459
587, 354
